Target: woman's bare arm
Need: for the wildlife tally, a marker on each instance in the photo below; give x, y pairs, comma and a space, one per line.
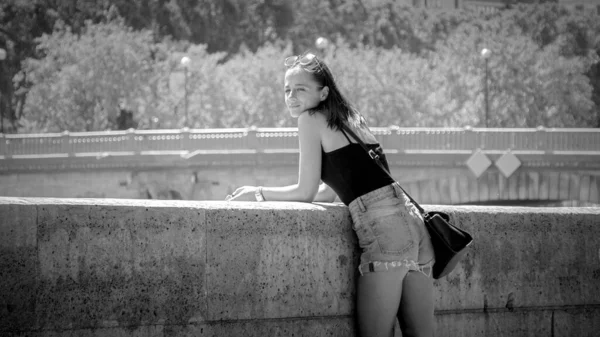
325, 194
309, 176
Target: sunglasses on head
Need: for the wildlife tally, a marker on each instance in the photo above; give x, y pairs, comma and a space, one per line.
308, 62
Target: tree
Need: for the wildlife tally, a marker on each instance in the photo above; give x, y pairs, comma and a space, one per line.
205, 90
21, 21
530, 84
400, 65
79, 82
576, 34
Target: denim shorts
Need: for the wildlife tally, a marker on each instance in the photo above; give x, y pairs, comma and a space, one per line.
391, 232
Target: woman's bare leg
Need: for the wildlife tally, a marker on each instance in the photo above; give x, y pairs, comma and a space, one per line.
378, 299
416, 307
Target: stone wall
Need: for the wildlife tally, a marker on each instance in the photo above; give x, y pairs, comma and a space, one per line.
116, 267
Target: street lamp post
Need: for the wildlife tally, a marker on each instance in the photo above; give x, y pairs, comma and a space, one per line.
485, 54
2, 58
322, 43
185, 61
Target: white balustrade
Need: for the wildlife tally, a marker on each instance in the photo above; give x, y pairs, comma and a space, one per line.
286, 139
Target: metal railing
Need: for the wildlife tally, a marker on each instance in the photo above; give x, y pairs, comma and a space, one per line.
135, 142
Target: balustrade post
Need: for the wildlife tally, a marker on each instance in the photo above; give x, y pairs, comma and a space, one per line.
387, 141
4, 147
252, 139
471, 138
513, 140
482, 138
66, 144
133, 144
185, 142
541, 136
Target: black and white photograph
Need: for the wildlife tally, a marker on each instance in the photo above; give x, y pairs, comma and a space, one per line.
299, 168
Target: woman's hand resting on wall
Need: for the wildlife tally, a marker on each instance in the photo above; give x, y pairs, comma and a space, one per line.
244, 193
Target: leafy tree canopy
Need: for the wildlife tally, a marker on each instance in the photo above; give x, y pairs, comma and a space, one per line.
72, 65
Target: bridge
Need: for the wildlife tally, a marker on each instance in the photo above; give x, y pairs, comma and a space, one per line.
436, 165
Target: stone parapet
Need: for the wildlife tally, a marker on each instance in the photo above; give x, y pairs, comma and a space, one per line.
118, 267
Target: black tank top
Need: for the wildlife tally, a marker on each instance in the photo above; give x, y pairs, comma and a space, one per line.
351, 172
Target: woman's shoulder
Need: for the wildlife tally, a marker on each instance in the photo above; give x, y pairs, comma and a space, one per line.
312, 119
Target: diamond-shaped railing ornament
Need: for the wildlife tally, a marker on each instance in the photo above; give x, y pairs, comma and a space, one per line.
508, 163
478, 163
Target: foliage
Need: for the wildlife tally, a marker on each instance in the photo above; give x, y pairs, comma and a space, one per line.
82, 79
221, 25
529, 84
21, 22
575, 34
400, 65
388, 86
252, 89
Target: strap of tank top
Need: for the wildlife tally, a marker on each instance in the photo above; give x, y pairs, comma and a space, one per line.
345, 135
375, 157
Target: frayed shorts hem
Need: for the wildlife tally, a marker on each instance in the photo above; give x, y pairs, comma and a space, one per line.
383, 266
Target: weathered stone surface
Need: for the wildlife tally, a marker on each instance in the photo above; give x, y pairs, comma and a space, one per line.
313, 327
317, 327
524, 257
18, 264
280, 260
117, 267
521, 323
579, 321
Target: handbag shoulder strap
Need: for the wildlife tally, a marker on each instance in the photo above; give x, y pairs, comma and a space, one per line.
375, 157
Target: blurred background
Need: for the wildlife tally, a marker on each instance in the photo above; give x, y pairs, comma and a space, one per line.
133, 99
116, 64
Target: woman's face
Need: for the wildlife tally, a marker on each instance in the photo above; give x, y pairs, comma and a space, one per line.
302, 92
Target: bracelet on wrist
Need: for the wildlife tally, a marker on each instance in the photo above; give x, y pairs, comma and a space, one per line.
258, 194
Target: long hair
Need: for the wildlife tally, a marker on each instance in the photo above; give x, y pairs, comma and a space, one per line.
335, 107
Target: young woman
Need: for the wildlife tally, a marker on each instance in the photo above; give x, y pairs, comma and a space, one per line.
396, 251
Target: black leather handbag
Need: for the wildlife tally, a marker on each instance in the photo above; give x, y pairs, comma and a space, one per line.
449, 242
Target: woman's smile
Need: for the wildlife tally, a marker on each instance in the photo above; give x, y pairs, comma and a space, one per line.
302, 92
